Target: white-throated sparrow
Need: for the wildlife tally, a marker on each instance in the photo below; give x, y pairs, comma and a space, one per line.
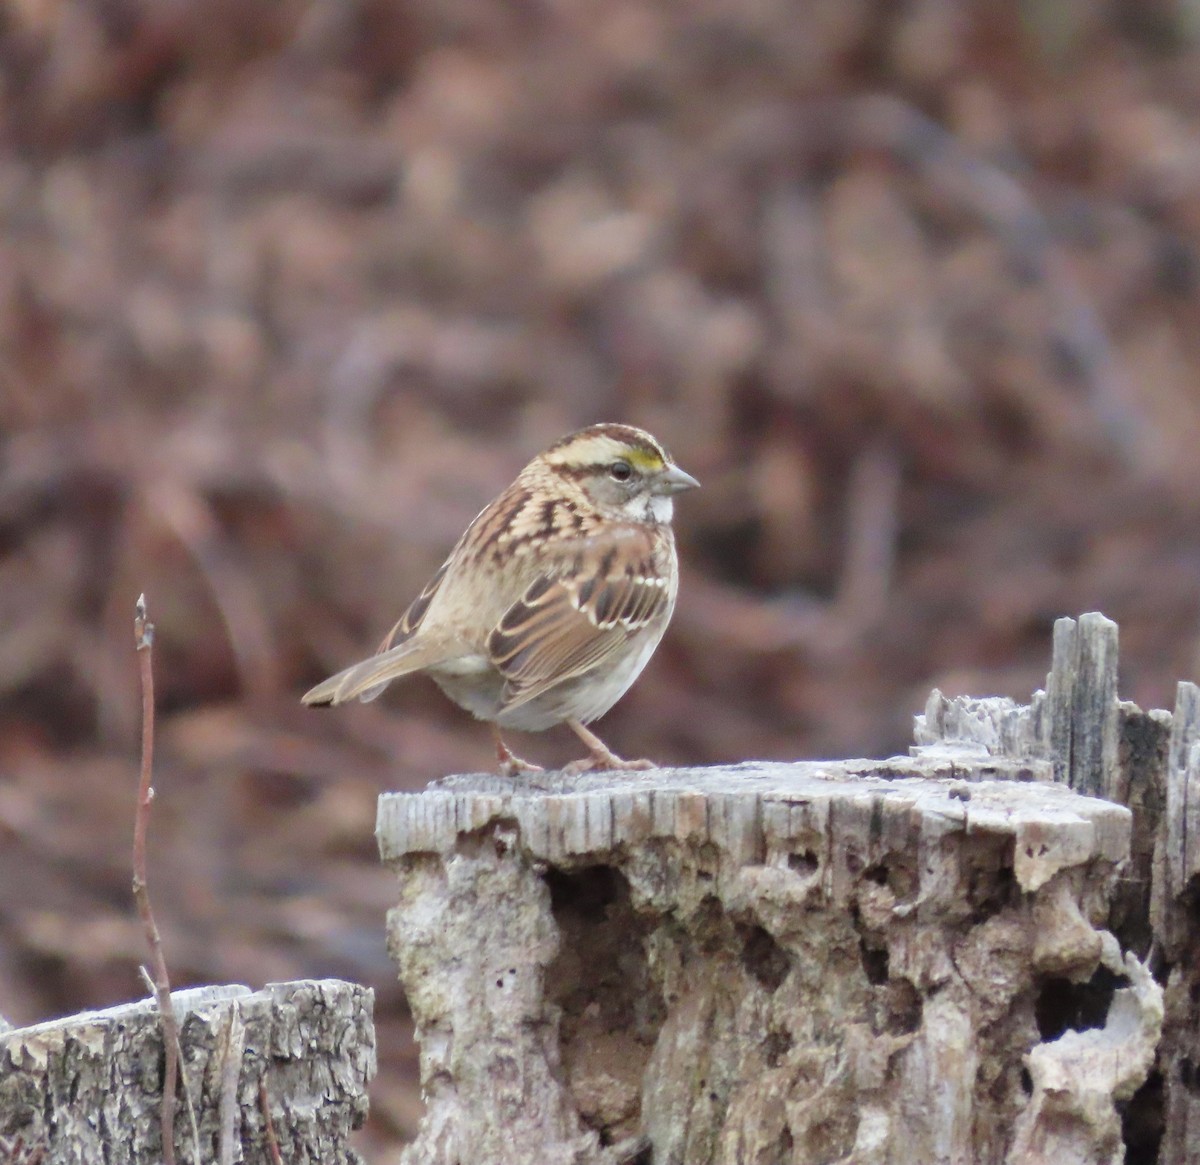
552, 601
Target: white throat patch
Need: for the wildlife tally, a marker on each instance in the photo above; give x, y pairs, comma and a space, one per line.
657, 508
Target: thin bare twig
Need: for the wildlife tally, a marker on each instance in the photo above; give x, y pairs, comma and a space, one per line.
188, 1106
143, 635
268, 1124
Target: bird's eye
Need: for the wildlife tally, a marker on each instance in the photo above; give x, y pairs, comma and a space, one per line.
620, 471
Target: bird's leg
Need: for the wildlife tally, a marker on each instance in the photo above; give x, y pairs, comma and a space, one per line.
511, 764
599, 755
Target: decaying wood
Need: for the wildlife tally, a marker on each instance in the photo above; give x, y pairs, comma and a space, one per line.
1176, 924
1153, 768
1070, 1118
1074, 723
87, 1089
1093, 668
766, 963
1183, 793
955, 956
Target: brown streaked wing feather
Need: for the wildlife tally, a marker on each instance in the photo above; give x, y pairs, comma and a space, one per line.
503, 515
561, 628
411, 619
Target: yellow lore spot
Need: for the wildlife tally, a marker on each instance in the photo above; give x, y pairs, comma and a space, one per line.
643, 459
600, 450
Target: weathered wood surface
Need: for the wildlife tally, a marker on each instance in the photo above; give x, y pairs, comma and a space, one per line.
1149, 761
767, 963
1074, 723
87, 1089
1182, 836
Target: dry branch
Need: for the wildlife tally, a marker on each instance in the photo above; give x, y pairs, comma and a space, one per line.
143, 637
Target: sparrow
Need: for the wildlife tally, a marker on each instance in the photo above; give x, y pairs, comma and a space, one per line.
552, 601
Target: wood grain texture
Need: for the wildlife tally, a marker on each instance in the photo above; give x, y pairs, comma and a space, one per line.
1150, 762
87, 1089
763, 963
1183, 792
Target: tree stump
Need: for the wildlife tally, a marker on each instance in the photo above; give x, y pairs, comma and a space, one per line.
298, 1056
871, 962
1149, 761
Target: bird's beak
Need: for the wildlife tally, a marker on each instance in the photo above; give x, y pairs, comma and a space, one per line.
673, 480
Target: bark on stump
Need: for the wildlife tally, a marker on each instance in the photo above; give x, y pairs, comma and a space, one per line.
871, 962
87, 1089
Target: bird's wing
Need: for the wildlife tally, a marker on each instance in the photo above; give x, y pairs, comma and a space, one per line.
407, 624
571, 620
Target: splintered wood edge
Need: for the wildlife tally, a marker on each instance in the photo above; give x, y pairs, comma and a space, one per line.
752, 810
1094, 766
1182, 824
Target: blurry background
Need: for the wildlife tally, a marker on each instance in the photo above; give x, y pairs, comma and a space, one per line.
290, 288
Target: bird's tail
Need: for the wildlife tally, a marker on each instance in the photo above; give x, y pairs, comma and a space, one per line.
368, 678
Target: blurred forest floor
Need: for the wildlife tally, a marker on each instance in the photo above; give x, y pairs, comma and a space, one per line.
290, 288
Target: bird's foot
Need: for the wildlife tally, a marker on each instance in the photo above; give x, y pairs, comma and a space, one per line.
600, 757
514, 766
599, 762
511, 765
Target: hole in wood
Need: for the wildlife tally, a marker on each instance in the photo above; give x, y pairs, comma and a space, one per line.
905, 1007
642, 1157
1142, 1122
991, 884
763, 957
587, 893
1188, 1076
872, 950
1191, 901
875, 963
1065, 1006
611, 1008
711, 926
805, 863
897, 875
877, 873
777, 1045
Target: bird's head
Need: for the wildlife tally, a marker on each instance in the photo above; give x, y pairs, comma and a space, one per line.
623, 471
